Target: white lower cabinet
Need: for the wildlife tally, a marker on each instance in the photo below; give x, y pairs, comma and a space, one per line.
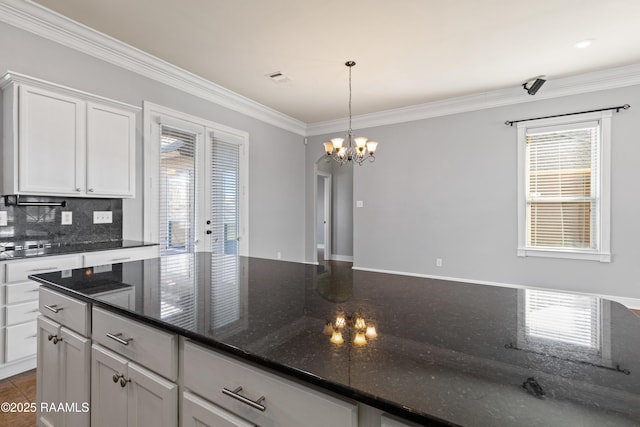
125, 394
197, 412
258, 396
63, 378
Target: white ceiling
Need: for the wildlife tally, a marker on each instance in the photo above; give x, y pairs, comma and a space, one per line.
407, 51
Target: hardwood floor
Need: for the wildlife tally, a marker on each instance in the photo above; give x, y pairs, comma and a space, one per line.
19, 388
636, 312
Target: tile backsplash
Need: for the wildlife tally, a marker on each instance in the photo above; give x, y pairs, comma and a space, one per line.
43, 223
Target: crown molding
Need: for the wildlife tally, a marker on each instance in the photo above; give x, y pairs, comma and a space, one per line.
37, 19
46, 23
574, 85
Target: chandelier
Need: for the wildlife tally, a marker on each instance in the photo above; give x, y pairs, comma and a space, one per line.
343, 324
346, 153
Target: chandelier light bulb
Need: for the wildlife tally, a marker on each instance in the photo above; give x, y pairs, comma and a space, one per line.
340, 321
336, 338
360, 324
371, 332
360, 339
328, 329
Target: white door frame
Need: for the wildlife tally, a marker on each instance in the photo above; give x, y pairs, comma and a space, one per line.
153, 115
327, 212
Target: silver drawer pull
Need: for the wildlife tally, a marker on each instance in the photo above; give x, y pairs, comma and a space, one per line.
118, 338
34, 311
236, 395
45, 268
34, 290
121, 259
53, 308
31, 336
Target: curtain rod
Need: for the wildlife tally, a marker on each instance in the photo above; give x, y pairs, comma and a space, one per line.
621, 107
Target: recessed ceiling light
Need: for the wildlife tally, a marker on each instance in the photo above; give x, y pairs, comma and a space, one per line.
583, 44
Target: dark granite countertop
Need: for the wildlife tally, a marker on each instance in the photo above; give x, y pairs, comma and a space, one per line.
445, 352
21, 250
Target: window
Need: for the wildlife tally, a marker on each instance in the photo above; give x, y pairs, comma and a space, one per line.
563, 186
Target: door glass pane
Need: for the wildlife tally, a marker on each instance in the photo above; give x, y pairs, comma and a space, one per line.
225, 195
177, 191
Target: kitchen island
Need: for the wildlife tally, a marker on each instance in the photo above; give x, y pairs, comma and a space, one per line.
425, 351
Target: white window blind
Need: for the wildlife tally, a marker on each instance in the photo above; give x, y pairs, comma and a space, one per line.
225, 223
225, 196
177, 190
566, 318
563, 186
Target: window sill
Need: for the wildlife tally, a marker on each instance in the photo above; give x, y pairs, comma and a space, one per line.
566, 254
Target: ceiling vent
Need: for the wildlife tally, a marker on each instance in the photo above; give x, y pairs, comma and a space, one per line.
278, 77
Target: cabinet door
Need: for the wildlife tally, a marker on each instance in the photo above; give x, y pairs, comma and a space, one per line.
51, 143
197, 412
75, 377
153, 401
108, 398
110, 151
47, 376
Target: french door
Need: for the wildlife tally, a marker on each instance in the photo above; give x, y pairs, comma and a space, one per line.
202, 190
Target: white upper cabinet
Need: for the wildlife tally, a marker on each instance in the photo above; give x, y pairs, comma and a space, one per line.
63, 142
51, 143
111, 165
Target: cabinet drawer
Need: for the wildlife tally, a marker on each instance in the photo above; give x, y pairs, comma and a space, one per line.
21, 341
120, 255
17, 271
67, 311
20, 292
20, 313
148, 346
197, 412
208, 373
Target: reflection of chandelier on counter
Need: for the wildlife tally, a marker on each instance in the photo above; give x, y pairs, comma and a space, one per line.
343, 323
363, 149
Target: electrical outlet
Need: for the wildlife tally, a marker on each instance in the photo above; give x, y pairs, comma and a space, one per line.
3, 218
67, 218
438, 262
102, 217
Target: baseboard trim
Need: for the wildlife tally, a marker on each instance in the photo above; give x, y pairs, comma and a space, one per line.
633, 303
345, 258
16, 368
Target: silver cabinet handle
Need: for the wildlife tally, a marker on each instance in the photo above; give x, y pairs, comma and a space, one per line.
118, 338
236, 395
120, 259
45, 268
91, 190
34, 290
78, 189
53, 308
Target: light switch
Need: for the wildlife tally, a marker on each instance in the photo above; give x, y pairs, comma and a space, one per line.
3, 218
359, 204
67, 218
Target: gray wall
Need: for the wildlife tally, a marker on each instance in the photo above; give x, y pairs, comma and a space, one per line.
320, 211
446, 188
276, 178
